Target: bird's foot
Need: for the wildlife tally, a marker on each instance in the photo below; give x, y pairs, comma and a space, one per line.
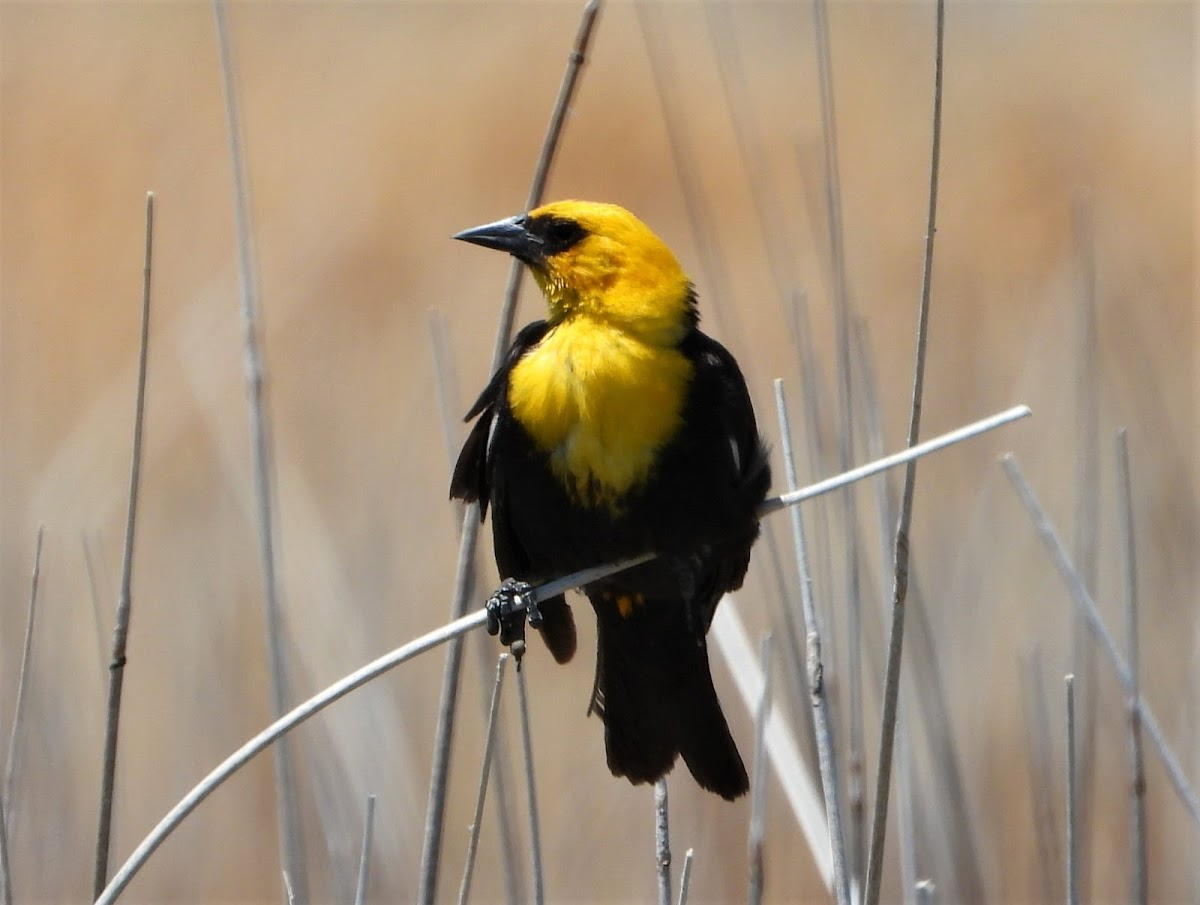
507, 611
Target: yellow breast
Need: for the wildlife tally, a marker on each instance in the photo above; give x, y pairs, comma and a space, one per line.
601, 404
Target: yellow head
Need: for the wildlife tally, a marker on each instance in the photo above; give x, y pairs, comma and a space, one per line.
601, 262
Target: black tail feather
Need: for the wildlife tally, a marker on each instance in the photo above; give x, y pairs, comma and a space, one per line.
706, 743
654, 692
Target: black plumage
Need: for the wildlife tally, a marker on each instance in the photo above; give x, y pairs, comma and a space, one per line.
696, 509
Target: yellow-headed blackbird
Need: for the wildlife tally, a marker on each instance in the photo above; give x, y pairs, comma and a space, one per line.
615, 427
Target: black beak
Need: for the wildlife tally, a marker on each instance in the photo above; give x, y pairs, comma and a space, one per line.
508, 235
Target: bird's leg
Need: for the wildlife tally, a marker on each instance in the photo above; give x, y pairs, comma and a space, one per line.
507, 610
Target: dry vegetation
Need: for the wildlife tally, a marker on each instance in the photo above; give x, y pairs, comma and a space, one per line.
375, 131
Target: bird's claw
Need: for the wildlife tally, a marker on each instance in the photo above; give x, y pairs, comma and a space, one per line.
507, 611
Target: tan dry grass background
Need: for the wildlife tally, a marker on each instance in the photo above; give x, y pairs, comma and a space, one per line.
376, 130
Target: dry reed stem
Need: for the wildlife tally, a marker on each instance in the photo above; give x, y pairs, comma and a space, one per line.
891, 686
1072, 799
448, 405
911, 454
845, 420
1139, 881
685, 877
18, 722
927, 685
364, 858
885, 513
501, 783
758, 787
291, 838
662, 841
811, 392
464, 581
535, 833
1087, 516
1041, 773
5, 882
822, 716
464, 889
435, 813
116, 667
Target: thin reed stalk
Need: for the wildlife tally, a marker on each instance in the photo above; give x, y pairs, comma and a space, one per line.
1087, 515
1041, 777
855, 757
464, 582
535, 832
662, 841
116, 667
431, 848
448, 406
464, 889
758, 787
364, 858
891, 685
18, 721
926, 687
5, 881
291, 837
885, 513
814, 430
1072, 799
911, 454
1139, 880
822, 716
685, 877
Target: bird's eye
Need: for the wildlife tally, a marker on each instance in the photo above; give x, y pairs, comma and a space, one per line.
561, 233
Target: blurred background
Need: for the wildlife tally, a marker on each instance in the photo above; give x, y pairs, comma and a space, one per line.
1064, 278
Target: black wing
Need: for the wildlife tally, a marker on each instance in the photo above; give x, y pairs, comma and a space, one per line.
471, 480
728, 471
720, 384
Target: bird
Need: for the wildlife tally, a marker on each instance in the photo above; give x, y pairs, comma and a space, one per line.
615, 427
